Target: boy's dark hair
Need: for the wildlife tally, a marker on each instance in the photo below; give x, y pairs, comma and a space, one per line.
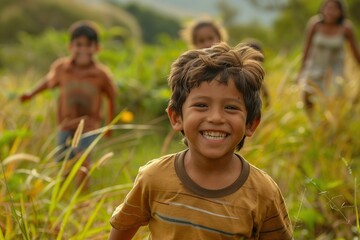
255, 44
84, 28
219, 63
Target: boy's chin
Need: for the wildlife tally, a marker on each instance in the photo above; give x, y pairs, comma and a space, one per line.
82, 63
82, 60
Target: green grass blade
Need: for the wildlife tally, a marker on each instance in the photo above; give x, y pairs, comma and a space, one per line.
24, 221
91, 219
356, 207
19, 221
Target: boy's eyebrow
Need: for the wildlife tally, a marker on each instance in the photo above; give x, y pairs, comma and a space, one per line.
197, 98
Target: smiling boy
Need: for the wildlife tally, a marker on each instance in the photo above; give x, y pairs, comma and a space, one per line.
83, 83
208, 191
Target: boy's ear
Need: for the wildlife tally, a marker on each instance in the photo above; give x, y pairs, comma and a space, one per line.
251, 127
175, 119
97, 47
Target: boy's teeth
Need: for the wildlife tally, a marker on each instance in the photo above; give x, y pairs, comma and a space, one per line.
214, 135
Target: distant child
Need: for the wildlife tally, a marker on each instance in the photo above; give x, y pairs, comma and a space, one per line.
82, 82
204, 33
256, 44
208, 191
322, 67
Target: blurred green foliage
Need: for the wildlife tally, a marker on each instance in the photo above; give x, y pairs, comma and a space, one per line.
314, 163
139, 70
36, 16
153, 23
34, 33
139, 22
289, 27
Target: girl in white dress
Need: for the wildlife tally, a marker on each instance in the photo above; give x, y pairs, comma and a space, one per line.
322, 68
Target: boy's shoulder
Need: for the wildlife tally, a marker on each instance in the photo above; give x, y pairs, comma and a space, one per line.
62, 62
67, 64
101, 67
159, 164
101, 70
156, 170
262, 182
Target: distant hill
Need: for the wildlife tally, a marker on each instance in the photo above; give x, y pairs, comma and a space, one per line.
194, 8
35, 16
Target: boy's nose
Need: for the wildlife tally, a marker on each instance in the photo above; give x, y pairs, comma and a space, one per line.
216, 116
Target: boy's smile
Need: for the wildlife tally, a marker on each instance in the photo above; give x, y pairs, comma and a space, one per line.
214, 119
211, 135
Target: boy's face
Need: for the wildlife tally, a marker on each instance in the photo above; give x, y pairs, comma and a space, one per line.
205, 37
213, 119
82, 50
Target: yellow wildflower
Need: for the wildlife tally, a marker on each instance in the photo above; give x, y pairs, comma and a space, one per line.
126, 116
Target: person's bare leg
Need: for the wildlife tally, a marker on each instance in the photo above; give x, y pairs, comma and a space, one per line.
309, 106
82, 175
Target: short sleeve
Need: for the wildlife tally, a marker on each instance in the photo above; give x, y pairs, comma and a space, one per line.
277, 224
135, 210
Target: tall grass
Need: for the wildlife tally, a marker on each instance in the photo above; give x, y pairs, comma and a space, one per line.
39, 201
315, 162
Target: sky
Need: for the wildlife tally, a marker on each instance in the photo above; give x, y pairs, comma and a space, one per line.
197, 8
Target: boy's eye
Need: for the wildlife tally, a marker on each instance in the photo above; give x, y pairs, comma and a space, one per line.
230, 107
200, 105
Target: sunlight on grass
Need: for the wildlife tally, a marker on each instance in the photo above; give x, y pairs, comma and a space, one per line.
315, 163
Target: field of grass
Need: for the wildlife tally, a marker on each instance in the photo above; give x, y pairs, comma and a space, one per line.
315, 163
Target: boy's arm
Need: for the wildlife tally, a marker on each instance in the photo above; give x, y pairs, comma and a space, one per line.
50, 80
134, 211
110, 95
41, 87
277, 224
111, 110
122, 234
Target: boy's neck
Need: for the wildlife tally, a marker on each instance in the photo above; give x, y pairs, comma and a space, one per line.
82, 66
213, 173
